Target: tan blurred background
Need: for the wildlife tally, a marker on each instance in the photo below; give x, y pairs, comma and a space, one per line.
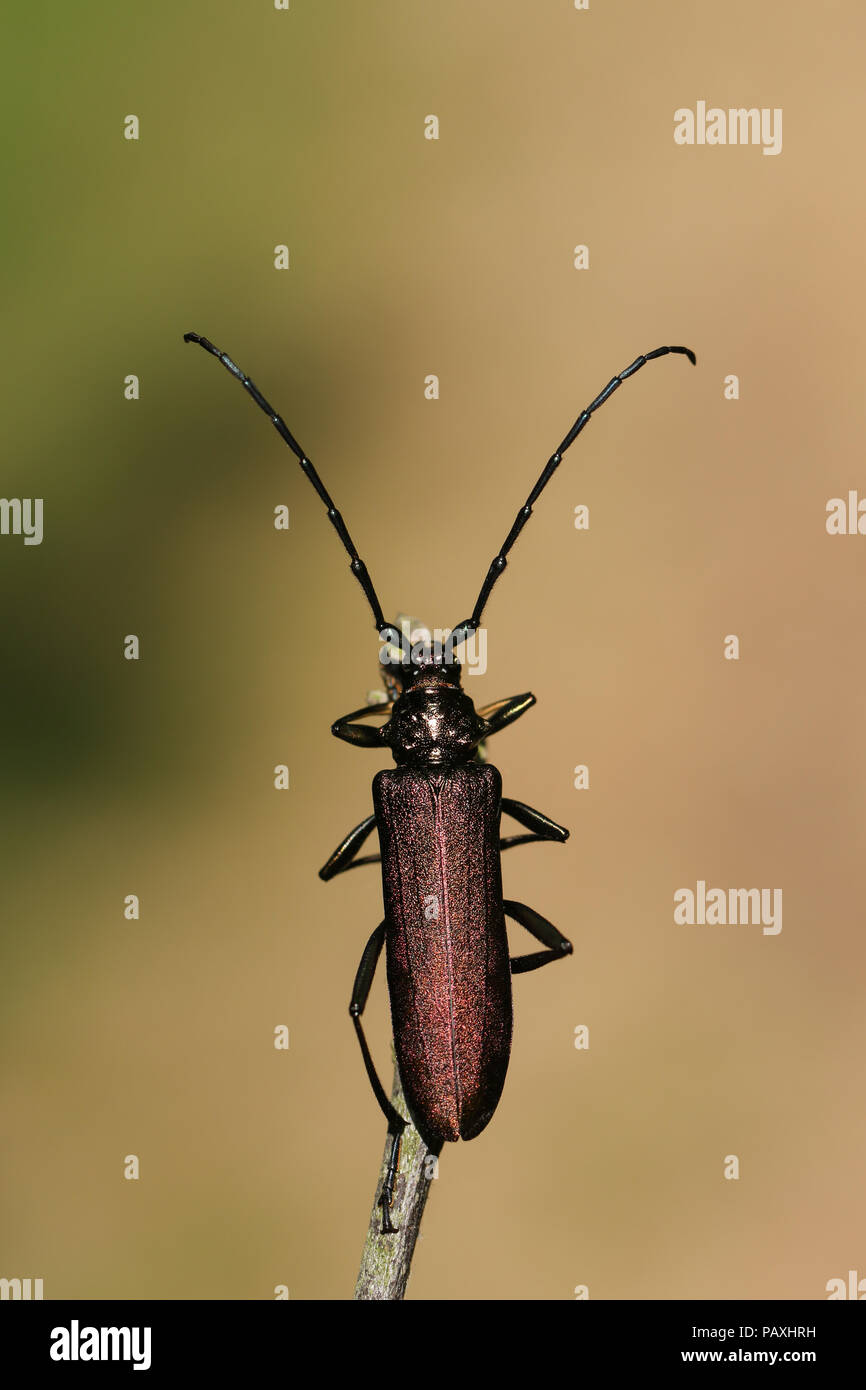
410, 257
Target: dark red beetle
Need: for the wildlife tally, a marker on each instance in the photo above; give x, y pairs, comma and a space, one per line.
438, 817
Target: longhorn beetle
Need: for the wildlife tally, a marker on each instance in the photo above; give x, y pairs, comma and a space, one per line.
437, 813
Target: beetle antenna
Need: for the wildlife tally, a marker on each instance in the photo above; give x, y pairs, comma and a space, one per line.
359, 569
468, 626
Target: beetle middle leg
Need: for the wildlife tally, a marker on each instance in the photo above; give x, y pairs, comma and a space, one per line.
543, 931
542, 827
343, 857
396, 1123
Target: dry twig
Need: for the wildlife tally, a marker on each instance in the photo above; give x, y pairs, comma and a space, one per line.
387, 1259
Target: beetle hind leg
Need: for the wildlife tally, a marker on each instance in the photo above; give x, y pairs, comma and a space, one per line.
386, 1196
557, 945
396, 1123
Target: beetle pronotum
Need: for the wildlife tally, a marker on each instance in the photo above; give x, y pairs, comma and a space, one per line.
438, 817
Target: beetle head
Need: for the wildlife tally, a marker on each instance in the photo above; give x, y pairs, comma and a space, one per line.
433, 721
411, 654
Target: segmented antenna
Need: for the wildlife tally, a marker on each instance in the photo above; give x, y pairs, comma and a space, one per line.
359, 569
463, 630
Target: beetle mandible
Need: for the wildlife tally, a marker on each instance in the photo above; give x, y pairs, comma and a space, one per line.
438, 813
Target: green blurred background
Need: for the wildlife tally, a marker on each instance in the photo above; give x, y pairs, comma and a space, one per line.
409, 257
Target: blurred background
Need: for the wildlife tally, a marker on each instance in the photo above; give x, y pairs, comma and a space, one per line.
409, 257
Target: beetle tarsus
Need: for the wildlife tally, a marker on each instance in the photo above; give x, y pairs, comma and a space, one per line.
386, 1197
387, 1228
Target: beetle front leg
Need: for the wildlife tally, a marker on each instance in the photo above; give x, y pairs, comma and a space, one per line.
343, 857
543, 931
504, 712
361, 735
396, 1123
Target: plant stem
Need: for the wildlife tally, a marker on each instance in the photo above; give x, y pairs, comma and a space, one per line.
387, 1259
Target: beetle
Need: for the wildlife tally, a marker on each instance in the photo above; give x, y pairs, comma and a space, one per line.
437, 812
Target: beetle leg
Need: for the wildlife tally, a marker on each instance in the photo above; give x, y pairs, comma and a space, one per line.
359, 569
386, 1196
396, 1123
504, 712
544, 931
542, 826
343, 857
361, 734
